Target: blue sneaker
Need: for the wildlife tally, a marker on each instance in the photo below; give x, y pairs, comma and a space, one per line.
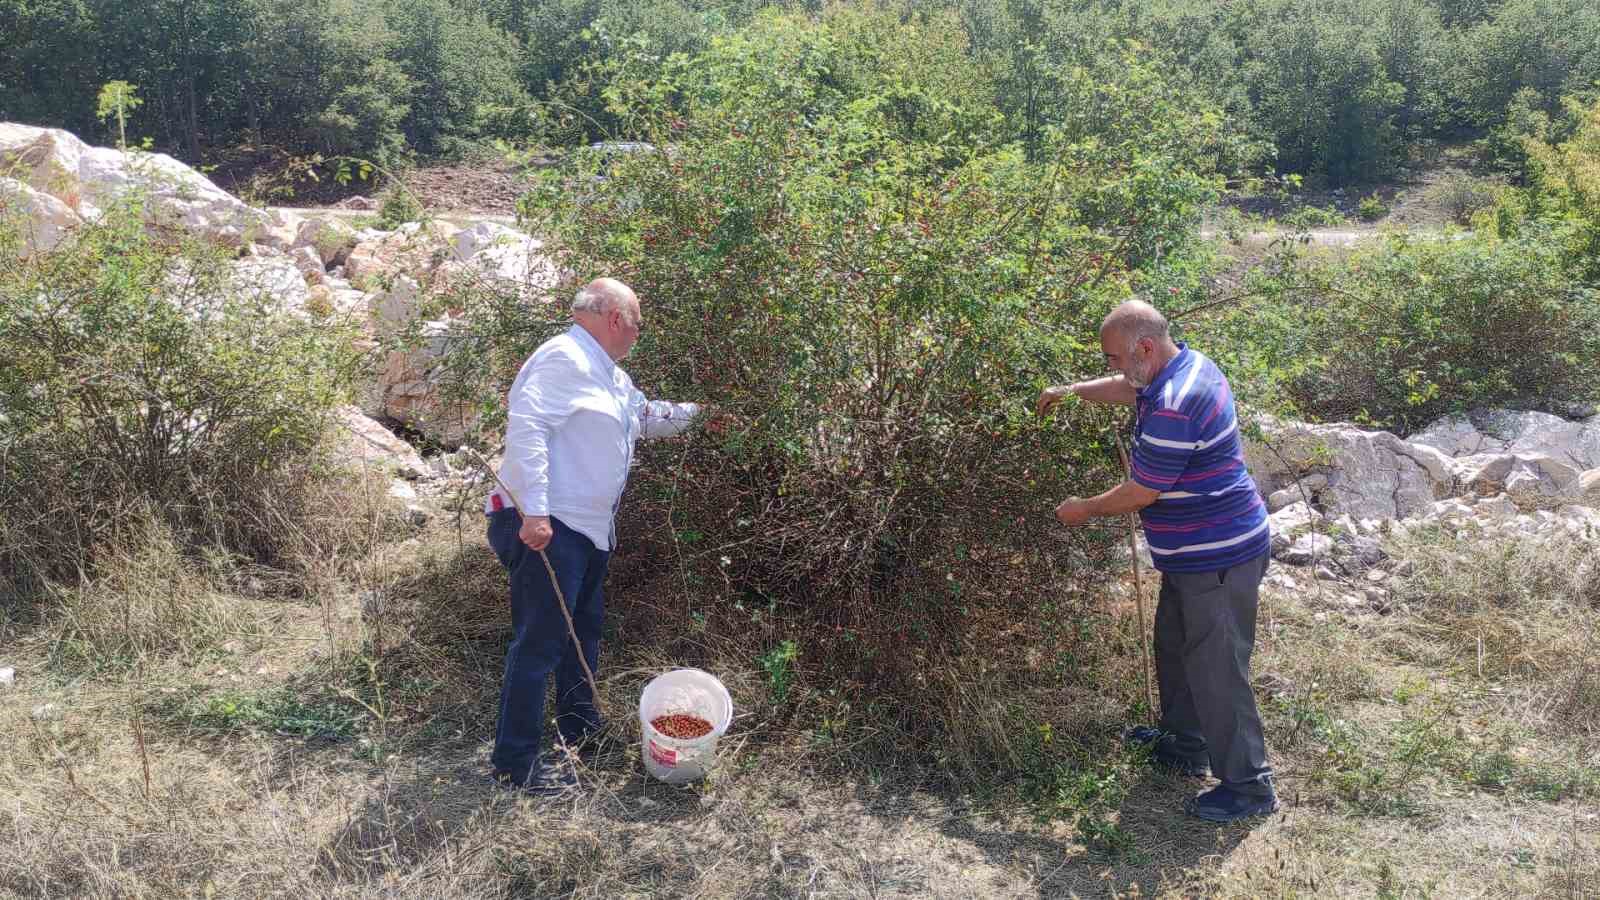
1141, 735
1161, 754
1224, 804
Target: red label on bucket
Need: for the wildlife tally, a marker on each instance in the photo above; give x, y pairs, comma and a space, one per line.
662, 755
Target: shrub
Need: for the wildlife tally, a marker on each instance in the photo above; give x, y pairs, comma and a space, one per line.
139, 376
1564, 194
1372, 208
1463, 196
398, 205
824, 247
1401, 332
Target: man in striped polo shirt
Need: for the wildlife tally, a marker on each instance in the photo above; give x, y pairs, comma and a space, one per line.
1207, 531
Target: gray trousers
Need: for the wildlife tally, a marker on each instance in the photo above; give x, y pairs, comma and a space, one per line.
1205, 631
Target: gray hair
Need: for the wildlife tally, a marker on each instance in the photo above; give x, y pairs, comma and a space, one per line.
592, 299
1136, 320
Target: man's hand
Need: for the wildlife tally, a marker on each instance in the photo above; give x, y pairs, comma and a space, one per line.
536, 532
1073, 511
1050, 396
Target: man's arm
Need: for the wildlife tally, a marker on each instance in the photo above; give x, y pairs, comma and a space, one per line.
1127, 497
1111, 389
659, 418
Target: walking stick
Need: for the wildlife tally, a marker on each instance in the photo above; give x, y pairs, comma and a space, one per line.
1138, 579
561, 598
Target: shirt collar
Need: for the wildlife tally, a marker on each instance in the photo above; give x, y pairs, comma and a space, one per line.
593, 348
1152, 391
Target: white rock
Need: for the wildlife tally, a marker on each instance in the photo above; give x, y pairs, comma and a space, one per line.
89, 179
1295, 515
396, 304
331, 239
8, 676
1498, 507
1515, 432
1589, 488
44, 220
1523, 476
309, 263
174, 194
480, 235
402, 491
367, 441
1287, 497
281, 230
275, 277
1307, 548
45, 711
1370, 474
47, 159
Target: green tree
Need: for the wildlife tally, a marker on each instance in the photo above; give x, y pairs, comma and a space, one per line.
118, 98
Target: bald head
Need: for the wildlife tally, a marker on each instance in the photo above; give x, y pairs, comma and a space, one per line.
1136, 341
1135, 320
603, 295
609, 311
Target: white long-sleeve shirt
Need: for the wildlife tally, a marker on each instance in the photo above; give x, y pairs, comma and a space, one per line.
574, 416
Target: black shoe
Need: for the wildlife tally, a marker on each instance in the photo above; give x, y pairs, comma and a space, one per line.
1224, 804
552, 774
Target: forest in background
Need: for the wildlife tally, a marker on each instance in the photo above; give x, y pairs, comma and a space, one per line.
1345, 92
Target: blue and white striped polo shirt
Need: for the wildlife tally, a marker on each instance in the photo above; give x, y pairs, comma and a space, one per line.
1209, 515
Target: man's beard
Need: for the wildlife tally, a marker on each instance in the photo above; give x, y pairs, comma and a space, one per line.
1136, 378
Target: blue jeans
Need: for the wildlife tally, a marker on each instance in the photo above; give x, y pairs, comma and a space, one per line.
540, 643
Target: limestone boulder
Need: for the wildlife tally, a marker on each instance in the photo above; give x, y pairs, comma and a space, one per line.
1517, 433
90, 179
414, 249
1362, 474
407, 389
480, 236
273, 277
44, 220
367, 442
309, 264
46, 159
1529, 479
501, 258
330, 238
281, 230
1589, 489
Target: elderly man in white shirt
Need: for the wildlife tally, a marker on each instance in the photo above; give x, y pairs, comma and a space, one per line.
573, 419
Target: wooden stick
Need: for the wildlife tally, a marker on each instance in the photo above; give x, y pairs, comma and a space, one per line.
1138, 581
561, 597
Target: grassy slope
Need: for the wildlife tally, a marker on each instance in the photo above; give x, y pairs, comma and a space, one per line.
329, 739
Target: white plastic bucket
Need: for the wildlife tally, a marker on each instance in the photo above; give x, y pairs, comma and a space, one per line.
683, 691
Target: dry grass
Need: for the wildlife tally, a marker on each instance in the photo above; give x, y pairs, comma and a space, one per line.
325, 734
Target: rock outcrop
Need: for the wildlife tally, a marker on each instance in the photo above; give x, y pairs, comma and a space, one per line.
313, 265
